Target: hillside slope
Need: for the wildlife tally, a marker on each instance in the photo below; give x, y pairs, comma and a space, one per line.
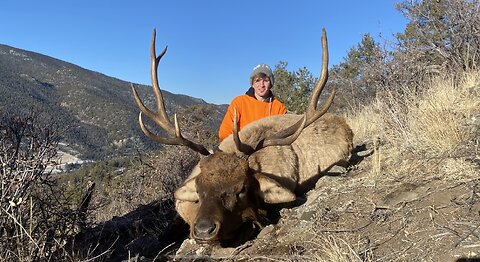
98, 111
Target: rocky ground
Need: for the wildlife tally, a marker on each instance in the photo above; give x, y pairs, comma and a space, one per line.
357, 217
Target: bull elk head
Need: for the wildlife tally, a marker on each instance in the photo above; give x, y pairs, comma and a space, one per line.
226, 192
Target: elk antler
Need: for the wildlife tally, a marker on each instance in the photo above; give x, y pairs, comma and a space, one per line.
161, 117
290, 134
311, 114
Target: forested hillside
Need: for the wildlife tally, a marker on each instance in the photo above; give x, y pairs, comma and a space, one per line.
97, 112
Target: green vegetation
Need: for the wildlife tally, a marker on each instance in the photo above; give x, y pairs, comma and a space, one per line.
293, 88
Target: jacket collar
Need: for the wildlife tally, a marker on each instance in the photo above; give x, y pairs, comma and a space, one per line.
251, 92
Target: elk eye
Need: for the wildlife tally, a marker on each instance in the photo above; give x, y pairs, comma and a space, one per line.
242, 192
241, 195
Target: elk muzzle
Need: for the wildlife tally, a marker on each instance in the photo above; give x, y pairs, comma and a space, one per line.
208, 223
206, 230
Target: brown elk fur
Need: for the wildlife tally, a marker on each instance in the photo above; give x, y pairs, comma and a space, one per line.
277, 171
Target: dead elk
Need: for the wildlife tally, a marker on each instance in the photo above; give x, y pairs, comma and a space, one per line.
264, 163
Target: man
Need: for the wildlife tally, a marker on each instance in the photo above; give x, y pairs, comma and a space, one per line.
258, 102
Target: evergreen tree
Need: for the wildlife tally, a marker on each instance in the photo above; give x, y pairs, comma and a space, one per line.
283, 84
361, 73
293, 89
441, 34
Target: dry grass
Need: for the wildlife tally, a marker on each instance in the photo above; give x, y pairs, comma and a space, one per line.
437, 124
417, 128
420, 135
331, 248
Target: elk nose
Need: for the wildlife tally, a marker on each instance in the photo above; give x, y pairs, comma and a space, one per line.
204, 229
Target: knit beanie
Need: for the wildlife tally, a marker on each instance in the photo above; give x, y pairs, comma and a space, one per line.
262, 68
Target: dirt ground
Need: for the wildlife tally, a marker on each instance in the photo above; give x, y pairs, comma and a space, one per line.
420, 216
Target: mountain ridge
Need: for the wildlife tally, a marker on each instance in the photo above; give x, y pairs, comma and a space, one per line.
99, 110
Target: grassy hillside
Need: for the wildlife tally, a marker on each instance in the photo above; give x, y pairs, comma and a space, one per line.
432, 128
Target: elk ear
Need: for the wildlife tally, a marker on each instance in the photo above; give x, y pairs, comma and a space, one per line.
187, 192
273, 192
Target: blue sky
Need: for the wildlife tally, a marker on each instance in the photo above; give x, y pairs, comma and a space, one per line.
212, 45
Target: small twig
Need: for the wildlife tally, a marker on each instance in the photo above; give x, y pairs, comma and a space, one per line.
466, 236
264, 258
103, 253
449, 229
21, 227
163, 249
341, 230
241, 248
471, 246
440, 235
376, 245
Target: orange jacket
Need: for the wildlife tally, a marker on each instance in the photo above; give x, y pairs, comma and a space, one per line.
249, 109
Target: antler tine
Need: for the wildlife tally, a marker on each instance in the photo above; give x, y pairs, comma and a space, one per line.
236, 137
312, 112
288, 135
282, 141
161, 117
323, 76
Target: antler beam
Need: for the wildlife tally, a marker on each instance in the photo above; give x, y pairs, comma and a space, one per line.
161, 117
